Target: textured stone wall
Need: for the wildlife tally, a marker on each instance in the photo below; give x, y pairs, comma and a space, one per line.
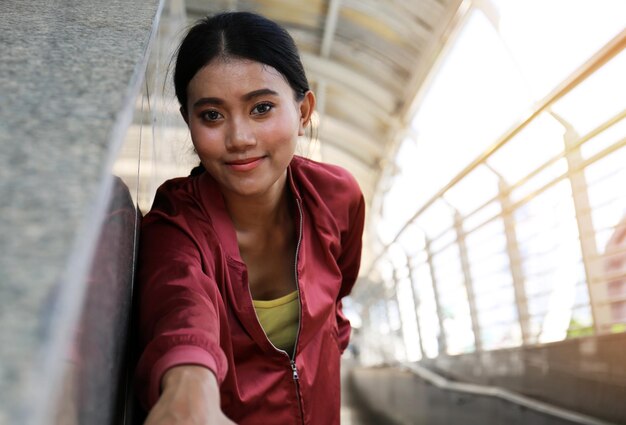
70, 73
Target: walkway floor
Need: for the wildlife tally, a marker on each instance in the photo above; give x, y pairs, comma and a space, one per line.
352, 412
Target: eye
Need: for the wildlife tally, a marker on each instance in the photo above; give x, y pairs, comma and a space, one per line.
262, 108
211, 115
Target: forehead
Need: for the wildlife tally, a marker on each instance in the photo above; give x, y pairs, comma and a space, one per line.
227, 77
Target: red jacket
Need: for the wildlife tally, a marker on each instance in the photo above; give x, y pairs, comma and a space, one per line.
196, 308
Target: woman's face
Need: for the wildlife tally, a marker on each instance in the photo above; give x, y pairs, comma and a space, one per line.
244, 123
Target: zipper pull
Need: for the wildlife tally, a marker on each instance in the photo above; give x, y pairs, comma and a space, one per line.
294, 370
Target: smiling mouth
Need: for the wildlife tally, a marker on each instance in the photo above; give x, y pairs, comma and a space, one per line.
244, 164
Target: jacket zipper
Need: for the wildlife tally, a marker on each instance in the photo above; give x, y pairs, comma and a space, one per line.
294, 368
292, 360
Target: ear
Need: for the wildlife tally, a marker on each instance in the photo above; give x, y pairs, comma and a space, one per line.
307, 106
183, 112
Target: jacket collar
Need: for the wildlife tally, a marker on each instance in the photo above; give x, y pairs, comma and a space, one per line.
213, 202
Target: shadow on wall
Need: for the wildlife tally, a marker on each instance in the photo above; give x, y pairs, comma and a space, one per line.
96, 383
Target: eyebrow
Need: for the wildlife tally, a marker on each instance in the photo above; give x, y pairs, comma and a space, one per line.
260, 92
246, 97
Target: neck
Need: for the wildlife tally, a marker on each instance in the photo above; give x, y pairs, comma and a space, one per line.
261, 211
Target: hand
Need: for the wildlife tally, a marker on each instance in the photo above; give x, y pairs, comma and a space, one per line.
190, 396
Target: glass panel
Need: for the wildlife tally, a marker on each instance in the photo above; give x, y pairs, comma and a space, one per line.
609, 137
436, 219
581, 323
493, 287
608, 205
395, 339
426, 309
539, 181
608, 212
474, 190
488, 302
549, 245
409, 320
397, 257
412, 241
443, 241
375, 333
501, 335
486, 243
453, 299
482, 216
540, 141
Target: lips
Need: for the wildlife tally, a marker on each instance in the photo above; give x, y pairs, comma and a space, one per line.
245, 164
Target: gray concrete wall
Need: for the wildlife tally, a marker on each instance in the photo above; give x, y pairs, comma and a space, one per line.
405, 399
585, 374
70, 74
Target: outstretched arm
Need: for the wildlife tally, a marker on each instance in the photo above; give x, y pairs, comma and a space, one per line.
190, 396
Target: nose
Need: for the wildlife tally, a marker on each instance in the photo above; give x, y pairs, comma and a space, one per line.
240, 136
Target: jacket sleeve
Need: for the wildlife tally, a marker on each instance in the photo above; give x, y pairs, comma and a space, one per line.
179, 305
349, 262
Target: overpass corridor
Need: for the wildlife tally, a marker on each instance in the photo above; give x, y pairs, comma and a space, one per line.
493, 285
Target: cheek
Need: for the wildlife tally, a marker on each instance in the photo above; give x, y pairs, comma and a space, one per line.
205, 139
282, 130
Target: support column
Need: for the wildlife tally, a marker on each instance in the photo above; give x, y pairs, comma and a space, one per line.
443, 345
515, 261
586, 233
467, 279
393, 297
416, 303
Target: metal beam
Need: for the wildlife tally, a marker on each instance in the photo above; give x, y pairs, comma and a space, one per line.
515, 260
344, 76
330, 26
416, 302
442, 337
586, 232
332, 16
341, 132
467, 279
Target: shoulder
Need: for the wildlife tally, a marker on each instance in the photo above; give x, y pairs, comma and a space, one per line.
330, 192
177, 223
325, 179
175, 200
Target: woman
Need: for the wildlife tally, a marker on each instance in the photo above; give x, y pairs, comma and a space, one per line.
243, 265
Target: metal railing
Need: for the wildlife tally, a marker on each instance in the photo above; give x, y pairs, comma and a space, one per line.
573, 251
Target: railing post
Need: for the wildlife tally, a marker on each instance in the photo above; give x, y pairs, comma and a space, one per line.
515, 260
393, 318
586, 234
416, 303
443, 344
467, 278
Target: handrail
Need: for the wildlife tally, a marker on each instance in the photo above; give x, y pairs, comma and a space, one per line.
603, 153
604, 55
497, 392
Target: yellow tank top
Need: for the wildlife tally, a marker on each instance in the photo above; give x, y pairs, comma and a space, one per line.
279, 319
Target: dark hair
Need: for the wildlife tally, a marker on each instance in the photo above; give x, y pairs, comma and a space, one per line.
243, 35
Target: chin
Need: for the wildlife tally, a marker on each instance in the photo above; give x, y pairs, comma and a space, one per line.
247, 190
